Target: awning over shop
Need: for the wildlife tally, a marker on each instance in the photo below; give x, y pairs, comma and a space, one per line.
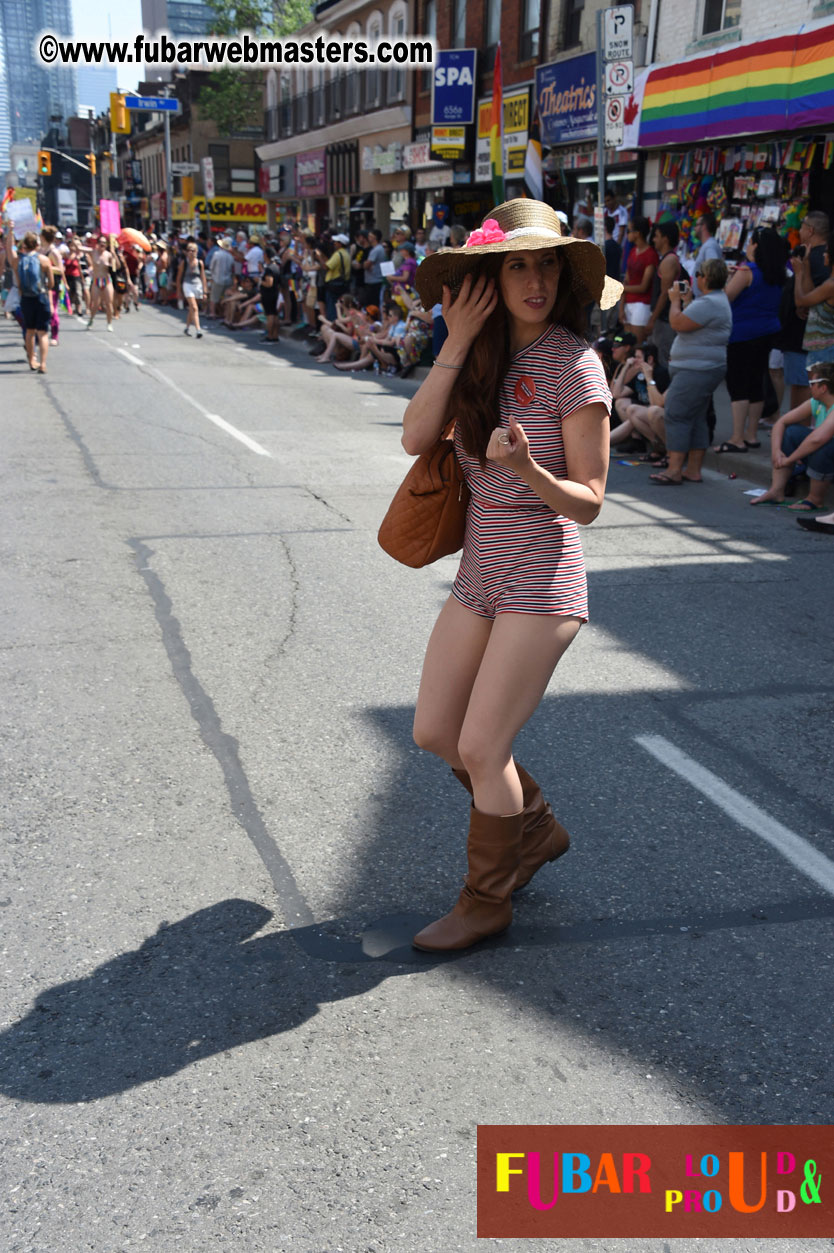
781, 84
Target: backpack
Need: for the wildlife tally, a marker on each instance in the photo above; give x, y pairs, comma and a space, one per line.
29, 269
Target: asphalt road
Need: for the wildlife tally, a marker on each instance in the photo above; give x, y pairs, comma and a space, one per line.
219, 837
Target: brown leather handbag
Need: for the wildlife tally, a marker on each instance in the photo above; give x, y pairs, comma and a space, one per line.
426, 519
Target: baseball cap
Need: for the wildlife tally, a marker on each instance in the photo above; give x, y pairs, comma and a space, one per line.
341, 239
625, 338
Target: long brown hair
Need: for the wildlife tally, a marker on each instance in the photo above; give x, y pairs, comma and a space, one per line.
477, 391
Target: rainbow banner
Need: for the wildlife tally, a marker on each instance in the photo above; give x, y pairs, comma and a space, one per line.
778, 84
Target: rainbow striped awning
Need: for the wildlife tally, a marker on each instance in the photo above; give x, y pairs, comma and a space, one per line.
778, 84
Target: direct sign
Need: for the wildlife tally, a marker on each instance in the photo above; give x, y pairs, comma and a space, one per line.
208, 177
154, 104
453, 87
618, 29
448, 142
184, 167
619, 78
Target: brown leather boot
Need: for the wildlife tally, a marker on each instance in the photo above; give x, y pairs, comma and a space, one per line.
484, 907
543, 837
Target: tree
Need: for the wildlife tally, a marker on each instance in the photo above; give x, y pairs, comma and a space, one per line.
233, 97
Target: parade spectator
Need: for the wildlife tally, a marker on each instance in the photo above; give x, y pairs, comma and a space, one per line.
665, 237
337, 275
805, 434
818, 340
641, 267
709, 248
272, 297
221, 271
755, 292
346, 332
813, 235
373, 266
191, 286
697, 364
583, 228
613, 268
638, 394
406, 270
619, 215
359, 250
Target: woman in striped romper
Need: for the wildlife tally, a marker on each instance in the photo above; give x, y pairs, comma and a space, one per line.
531, 406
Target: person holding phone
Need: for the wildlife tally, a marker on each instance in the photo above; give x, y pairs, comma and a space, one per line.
531, 409
697, 364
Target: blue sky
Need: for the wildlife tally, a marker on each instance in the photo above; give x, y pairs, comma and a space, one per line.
93, 20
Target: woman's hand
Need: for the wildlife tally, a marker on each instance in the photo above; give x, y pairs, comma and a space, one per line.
509, 447
466, 316
779, 460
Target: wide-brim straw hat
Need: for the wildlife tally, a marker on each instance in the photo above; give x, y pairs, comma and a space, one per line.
518, 226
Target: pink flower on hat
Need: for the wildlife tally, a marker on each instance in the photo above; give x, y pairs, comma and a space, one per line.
489, 233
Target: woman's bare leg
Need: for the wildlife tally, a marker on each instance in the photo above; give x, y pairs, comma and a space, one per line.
521, 654
453, 656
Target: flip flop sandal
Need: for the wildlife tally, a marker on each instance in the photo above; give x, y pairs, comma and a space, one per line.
659, 463
752, 443
803, 506
728, 447
663, 480
768, 504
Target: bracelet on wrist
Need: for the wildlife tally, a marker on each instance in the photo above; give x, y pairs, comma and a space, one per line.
444, 365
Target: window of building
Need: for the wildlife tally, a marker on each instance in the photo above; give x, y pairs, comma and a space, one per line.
396, 29
573, 21
318, 98
303, 102
492, 32
721, 15
219, 154
350, 86
531, 13
372, 78
459, 24
430, 29
286, 105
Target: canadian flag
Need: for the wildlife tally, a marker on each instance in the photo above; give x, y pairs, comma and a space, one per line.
633, 110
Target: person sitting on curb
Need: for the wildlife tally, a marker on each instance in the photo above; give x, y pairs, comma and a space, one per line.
640, 405
805, 434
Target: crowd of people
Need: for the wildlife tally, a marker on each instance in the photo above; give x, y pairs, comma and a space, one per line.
686, 322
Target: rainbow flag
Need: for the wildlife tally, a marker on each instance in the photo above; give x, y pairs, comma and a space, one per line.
786, 83
8, 196
496, 133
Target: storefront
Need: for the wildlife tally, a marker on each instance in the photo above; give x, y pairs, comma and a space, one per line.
342, 180
277, 186
383, 175
198, 213
747, 133
311, 188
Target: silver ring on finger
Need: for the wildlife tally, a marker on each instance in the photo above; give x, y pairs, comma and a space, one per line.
503, 439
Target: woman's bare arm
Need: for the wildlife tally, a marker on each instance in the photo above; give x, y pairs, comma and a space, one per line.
465, 317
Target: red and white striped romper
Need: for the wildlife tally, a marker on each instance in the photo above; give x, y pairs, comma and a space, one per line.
518, 555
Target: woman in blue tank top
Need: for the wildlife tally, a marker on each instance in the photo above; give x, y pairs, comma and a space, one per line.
755, 292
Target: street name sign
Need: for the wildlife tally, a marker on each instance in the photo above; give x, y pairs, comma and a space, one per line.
154, 104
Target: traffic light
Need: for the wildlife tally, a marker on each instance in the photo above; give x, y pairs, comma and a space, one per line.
119, 115
91, 161
44, 164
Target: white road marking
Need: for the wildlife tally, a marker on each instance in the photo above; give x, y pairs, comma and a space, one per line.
799, 852
129, 356
212, 417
